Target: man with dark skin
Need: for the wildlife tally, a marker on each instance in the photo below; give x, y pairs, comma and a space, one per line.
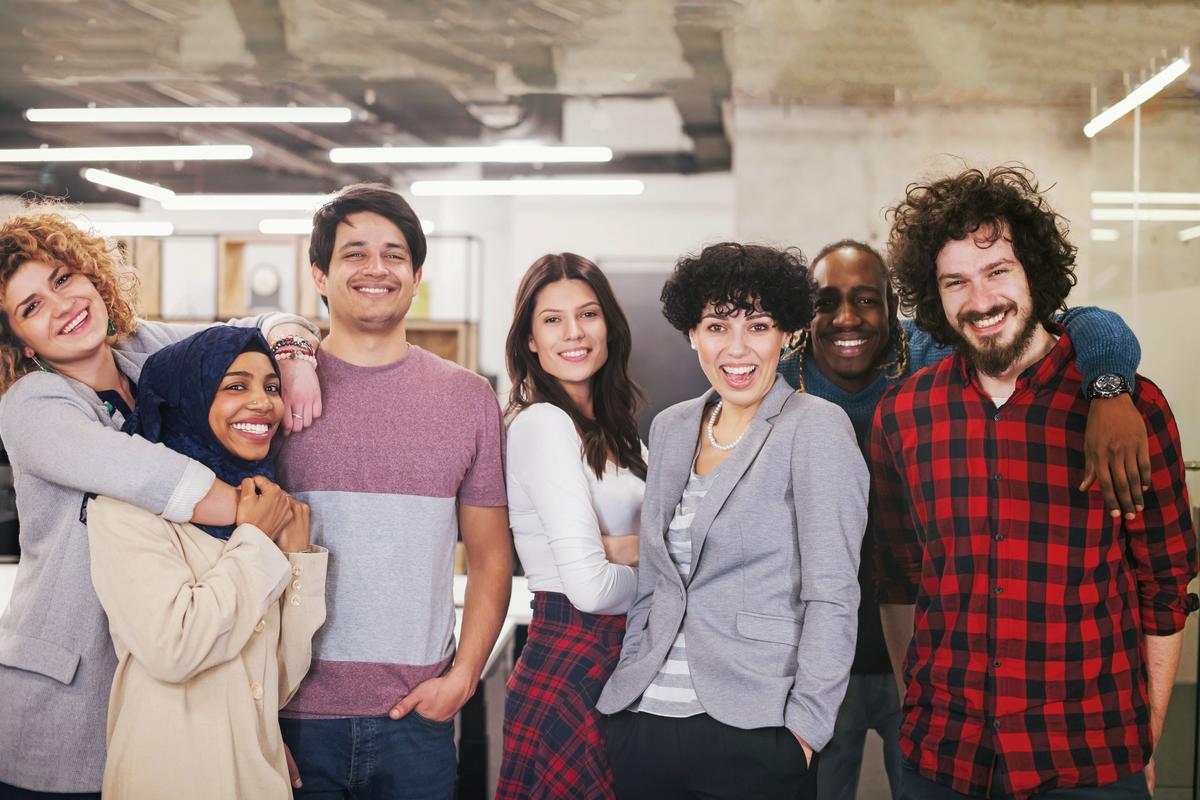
855, 348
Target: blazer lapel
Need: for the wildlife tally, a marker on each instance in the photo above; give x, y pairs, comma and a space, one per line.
678, 447
731, 471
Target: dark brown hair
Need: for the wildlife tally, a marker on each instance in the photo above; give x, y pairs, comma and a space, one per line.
369, 197
946, 210
614, 395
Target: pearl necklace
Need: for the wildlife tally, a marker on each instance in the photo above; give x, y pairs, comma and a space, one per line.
712, 421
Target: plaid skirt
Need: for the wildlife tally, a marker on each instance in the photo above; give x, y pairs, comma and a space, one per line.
553, 735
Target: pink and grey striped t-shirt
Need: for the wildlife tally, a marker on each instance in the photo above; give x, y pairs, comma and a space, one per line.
382, 469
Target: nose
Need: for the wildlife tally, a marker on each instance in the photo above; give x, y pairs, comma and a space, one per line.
738, 341
847, 315
257, 398
572, 329
59, 305
375, 264
981, 297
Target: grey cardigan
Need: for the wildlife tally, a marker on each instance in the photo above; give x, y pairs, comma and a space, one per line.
772, 601
56, 659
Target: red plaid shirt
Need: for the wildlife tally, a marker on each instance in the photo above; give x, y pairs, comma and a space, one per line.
1031, 600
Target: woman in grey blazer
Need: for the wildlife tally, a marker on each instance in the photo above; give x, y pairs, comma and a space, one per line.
71, 351
739, 643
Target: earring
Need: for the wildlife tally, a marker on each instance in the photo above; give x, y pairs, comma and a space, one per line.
112, 327
38, 363
693, 343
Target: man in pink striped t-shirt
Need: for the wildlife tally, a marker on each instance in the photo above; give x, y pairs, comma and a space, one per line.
407, 454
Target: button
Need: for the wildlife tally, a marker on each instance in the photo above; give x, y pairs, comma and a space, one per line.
996, 416
295, 601
261, 626
997, 476
296, 585
996, 663
999, 590
995, 723
999, 537
296, 571
256, 691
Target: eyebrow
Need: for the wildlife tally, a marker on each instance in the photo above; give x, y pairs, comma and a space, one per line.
990, 265
751, 315
241, 373
387, 245
559, 310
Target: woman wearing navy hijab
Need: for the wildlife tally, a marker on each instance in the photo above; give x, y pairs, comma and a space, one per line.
212, 625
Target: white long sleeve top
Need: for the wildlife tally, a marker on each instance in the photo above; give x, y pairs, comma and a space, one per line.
558, 510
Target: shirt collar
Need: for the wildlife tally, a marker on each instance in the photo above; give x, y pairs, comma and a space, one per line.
1037, 375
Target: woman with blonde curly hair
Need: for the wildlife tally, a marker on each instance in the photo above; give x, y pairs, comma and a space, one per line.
71, 352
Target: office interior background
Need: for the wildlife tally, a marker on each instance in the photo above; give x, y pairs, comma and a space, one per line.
791, 122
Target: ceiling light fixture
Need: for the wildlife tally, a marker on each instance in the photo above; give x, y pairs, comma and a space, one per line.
303, 227
1187, 234
497, 154
140, 188
245, 202
1135, 98
1105, 234
187, 114
528, 188
132, 228
1148, 198
1146, 214
223, 152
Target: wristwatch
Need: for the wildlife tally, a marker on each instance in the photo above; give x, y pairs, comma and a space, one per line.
1108, 385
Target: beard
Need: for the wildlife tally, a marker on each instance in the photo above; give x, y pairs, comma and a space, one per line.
991, 357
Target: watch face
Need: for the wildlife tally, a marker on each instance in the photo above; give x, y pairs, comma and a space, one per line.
1109, 384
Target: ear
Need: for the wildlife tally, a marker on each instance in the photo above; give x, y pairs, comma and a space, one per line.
532, 345
320, 279
692, 341
417, 276
28, 351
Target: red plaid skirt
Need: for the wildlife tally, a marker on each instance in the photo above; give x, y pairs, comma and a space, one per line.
553, 735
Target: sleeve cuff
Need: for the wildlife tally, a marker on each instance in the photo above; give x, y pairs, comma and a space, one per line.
1166, 618
268, 321
197, 479
1111, 364
804, 724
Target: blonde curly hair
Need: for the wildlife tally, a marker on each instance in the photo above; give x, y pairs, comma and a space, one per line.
43, 234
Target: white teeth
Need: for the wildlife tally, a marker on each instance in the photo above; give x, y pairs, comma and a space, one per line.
850, 342
75, 323
251, 427
574, 353
989, 322
373, 290
738, 370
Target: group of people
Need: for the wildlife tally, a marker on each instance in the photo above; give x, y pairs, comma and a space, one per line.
968, 532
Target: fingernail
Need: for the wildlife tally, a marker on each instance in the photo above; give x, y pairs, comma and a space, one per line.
1116, 512
297, 784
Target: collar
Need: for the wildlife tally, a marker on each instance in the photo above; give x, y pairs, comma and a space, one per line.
1037, 375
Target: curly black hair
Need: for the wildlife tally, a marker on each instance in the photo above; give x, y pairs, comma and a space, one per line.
733, 276
946, 210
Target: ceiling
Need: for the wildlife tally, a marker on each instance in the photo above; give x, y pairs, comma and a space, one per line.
655, 79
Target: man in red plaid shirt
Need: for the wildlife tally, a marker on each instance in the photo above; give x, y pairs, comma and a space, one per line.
1043, 643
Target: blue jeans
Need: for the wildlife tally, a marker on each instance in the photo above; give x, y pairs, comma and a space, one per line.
872, 703
373, 758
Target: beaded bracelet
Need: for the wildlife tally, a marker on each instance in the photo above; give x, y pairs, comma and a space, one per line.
293, 343
296, 355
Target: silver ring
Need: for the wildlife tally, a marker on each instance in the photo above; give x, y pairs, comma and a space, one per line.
297, 416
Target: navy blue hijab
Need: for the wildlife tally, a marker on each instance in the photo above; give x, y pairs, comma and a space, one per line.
175, 392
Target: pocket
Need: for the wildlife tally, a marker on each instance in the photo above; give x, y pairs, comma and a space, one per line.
765, 628
432, 723
40, 656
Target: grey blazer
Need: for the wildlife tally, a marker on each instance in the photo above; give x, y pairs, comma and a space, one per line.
772, 601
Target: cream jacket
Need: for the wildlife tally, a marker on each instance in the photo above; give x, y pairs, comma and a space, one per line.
212, 638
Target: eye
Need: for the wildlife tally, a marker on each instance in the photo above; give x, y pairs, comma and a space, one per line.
62, 279
715, 327
590, 314
824, 305
550, 320
867, 301
29, 309
999, 271
236, 386
273, 388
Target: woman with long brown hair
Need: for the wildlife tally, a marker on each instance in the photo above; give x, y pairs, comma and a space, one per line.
576, 475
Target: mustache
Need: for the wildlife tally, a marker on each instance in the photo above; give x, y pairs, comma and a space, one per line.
975, 316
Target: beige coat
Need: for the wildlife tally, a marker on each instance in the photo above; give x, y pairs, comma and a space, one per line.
212, 638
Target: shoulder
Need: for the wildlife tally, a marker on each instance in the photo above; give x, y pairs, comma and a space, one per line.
541, 417
23, 398
148, 336
449, 376
806, 415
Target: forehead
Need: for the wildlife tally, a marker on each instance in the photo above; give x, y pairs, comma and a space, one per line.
976, 251
251, 361
847, 268
369, 227
29, 277
565, 294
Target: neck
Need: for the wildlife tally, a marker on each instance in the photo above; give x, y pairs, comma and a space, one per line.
581, 396
365, 348
1004, 384
850, 385
733, 419
99, 371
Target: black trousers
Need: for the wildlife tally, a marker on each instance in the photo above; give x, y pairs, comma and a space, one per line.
8, 792
662, 758
914, 786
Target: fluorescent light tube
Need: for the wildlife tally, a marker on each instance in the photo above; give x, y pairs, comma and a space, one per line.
1147, 198
555, 187
1146, 214
132, 228
1187, 234
1135, 98
246, 202
124, 184
303, 227
186, 114
147, 153
1105, 234
498, 154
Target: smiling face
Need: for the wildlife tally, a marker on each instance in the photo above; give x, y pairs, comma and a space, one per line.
248, 406
986, 298
371, 280
738, 353
850, 328
569, 336
56, 313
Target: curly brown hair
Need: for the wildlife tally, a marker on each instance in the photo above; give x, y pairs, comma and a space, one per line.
43, 234
1006, 199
